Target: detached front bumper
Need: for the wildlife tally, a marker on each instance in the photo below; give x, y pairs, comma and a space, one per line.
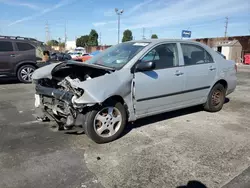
57, 105
65, 96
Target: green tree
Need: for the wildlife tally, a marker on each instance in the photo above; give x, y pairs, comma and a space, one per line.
62, 45
82, 41
127, 36
53, 43
154, 36
93, 38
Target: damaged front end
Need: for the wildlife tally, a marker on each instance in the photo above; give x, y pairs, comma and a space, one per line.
58, 87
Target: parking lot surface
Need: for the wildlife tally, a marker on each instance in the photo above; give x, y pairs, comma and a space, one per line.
167, 150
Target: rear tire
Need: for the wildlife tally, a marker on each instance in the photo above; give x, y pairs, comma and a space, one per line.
216, 98
24, 73
105, 123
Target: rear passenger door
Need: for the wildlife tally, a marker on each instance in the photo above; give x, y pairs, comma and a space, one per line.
200, 70
7, 56
26, 52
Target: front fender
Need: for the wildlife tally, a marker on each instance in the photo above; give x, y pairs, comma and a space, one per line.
99, 89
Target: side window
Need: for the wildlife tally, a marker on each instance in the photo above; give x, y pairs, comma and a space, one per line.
164, 56
208, 58
194, 55
151, 56
24, 46
6, 46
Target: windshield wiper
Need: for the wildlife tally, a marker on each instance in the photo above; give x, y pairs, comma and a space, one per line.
104, 66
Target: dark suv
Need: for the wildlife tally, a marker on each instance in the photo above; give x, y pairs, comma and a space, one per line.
18, 57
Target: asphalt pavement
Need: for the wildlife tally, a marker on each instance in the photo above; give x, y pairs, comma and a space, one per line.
177, 149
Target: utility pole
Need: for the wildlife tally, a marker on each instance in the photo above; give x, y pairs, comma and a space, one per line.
119, 13
100, 38
226, 24
143, 33
47, 33
65, 35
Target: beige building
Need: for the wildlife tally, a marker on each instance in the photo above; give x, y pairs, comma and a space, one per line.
233, 47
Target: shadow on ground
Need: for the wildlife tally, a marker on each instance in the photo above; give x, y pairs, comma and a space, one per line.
193, 184
5, 81
147, 120
164, 116
160, 117
227, 100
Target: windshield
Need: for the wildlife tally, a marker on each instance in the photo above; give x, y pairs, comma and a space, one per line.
119, 55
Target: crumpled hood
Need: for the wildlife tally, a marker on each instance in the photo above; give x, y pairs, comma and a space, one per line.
46, 71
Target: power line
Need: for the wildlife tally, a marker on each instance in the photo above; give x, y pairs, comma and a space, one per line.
226, 24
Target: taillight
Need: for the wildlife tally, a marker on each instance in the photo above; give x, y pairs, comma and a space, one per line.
235, 67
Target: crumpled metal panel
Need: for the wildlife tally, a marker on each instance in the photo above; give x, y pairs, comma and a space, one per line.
97, 90
44, 72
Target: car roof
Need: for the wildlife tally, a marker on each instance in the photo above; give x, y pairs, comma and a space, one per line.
26, 41
156, 41
19, 39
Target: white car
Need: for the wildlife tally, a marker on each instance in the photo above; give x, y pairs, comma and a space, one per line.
75, 54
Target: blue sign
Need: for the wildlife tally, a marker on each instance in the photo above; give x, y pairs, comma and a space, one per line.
186, 34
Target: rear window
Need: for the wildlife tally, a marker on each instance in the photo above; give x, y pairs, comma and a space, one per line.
6, 46
24, 46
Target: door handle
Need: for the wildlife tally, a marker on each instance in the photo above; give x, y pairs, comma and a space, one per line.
12, 55
212, 68
178, 73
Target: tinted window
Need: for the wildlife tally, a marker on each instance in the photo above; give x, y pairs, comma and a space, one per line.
194, 54
164, 56
24, 46
5, 46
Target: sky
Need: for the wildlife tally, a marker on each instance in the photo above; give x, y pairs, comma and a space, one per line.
166, 18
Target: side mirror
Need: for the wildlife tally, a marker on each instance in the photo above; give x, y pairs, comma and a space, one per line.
144, 66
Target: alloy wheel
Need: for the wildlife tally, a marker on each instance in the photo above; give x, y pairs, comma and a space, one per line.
107, 121
26, 73
217, 98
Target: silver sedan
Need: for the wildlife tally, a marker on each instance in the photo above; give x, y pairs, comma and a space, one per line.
130, 81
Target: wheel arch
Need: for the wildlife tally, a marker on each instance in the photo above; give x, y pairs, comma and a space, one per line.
222, 82
24, 63
118, 98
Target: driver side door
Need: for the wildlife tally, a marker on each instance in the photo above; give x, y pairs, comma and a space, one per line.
160, 89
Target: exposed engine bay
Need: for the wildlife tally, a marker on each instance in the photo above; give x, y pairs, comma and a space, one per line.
56, 94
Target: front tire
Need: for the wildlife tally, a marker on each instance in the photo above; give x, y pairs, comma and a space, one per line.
216, 98
24, 73
105, 123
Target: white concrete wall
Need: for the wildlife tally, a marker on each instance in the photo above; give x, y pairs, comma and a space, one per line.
70, 45
226, 51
